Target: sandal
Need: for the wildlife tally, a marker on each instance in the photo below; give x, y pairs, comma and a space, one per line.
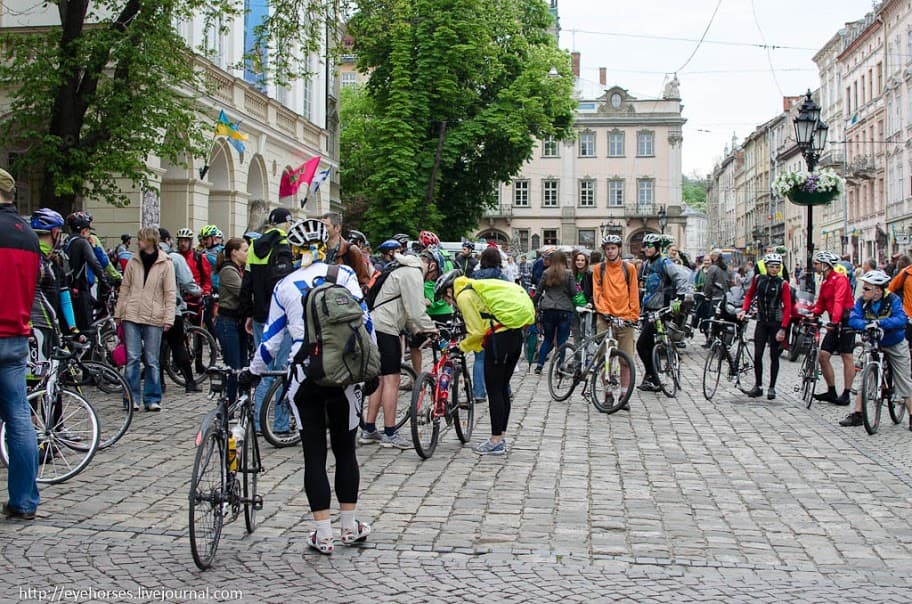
359, 534
324, 546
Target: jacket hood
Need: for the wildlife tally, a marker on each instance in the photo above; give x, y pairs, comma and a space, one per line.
271, 237
413, 261
459, 285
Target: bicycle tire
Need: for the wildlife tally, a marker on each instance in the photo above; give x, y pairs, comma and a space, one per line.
207, 496
197, 339
403, 401
277, 419
606, 389
895, 405
463, 403
809, 376
251, 466
425, 427
110, 395
796, 344
663, 368
60, 456
712, 370
871, 400
745, 365
563, 372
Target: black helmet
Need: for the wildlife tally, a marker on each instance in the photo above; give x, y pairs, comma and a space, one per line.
402, 238
357, 237
444, 282
279, 216
78, 221
126, 237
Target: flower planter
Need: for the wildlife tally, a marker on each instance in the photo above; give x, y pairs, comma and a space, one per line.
810, 198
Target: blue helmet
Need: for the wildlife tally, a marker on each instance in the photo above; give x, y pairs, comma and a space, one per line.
45, 219
389, 244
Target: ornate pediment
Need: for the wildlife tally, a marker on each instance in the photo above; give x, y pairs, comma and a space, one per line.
616, 100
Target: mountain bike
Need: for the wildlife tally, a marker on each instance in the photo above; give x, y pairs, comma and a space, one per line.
595, 361
226, 468
726, 334
443, 394
666, 361
877, 382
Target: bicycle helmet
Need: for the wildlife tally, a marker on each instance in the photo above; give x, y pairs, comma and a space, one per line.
772, 258
611, 240
210, 230
428, 238
402, 238
126, 237
444, 282
78, 221
184, 233
306, 232
390, 245
251, 236
219, 234
666, 240
652, 239
357, 238
877, 278
826, 257
279, 216
46, 219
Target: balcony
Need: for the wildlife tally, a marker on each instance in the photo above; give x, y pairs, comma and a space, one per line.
860, 168
641, 209
501, 210
834, 158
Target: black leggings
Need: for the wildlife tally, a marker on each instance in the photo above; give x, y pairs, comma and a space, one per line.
315, 405
501, 354
645, 344
765, 333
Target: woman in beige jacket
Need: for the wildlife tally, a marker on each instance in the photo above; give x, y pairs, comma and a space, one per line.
145, 307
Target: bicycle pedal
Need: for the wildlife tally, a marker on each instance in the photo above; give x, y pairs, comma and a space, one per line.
258, 502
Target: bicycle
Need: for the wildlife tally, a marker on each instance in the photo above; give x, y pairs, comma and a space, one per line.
809, 337
666, 361
200, 346
877, 382
437, 393
572, 364
226, 468
726, 334
66, 425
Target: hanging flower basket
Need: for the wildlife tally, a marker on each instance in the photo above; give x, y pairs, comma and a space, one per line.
810, 198
809, 189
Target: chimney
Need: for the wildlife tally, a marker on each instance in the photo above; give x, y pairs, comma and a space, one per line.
603, 76
575, 64
789, 101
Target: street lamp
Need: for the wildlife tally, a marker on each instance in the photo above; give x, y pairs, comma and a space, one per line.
663, 219
811, 135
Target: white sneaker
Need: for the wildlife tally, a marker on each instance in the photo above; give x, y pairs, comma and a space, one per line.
359, 534
396, 440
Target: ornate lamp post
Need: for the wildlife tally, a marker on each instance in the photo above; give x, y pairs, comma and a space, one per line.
663, 219
811, 135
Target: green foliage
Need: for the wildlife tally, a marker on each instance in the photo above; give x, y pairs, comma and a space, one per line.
459, 92
694, 192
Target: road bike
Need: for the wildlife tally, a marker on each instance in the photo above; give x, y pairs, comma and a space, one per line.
809, 338
666, 361
877, 382
597, 363
443, 394
726, 335
226, 468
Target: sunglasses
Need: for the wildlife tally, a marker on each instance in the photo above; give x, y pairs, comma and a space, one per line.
867, 289
649, 245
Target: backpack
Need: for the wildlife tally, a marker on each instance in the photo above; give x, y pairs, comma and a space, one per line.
509, 304
374, 286
623, 265
337, 349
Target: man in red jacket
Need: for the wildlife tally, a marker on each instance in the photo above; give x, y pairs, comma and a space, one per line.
835, 298
20, 258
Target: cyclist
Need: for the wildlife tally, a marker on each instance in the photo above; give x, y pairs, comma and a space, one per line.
464, 260
339, 251
210, 249
716, 284
185, 287
835, 298
360, 239
315, 404
438, 310
774, 304
879, 307
388, 250
84, 265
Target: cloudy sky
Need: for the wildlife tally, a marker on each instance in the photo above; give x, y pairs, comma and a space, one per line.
730, 84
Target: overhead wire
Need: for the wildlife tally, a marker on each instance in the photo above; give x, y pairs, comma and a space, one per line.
769, 56
679, 39
703, 37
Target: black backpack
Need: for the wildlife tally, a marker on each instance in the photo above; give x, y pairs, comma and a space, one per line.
374, 287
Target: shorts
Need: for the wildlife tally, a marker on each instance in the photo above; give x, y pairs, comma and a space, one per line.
624, 336
838, 341
898, 355
390, 353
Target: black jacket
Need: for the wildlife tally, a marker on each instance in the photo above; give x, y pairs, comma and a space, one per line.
268, 261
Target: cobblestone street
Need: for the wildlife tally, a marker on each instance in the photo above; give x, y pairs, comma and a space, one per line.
678, 500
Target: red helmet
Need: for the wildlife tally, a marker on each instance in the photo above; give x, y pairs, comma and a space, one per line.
427, 238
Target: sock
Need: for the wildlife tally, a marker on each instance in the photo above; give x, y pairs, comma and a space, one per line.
389, 430
348, 520
370, 427
324, 528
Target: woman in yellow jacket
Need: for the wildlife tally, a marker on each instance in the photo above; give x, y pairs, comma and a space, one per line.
502, 348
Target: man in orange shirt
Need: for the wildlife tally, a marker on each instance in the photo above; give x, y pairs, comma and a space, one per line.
615, 291
901, 285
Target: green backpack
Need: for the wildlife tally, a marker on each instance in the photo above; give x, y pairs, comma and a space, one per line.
509, 303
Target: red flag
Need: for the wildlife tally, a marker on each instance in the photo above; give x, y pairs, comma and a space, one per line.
293, 179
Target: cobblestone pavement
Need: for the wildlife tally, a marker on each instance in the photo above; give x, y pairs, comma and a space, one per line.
678, 500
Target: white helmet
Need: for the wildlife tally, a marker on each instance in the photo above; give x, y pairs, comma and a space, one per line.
772, 258
826, 257
307, 231
184, 233
877, 278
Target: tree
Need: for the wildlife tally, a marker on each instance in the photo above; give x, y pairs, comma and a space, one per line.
459, 92
694, 192
114, 82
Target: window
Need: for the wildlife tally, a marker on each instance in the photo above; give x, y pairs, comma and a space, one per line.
615, 144
521, 193
587, 144
549, 147
349, 78
586, 238
215, 42
645, 192
587, 193
645, 144
549, 237
523, 236
550, 193
615, 193
307, 103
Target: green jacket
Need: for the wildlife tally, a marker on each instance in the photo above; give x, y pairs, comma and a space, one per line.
436, 308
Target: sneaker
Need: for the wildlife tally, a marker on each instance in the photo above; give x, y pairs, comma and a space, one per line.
757, 391
153, 407
369, 438
842, 401
324, 546
192, 387
396, 440
10, 512
538, 370
771, 393
356, 535
481, 401
490, 448
852, 419
649, 386
826, 397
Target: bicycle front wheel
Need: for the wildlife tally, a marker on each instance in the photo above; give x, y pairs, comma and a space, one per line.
250, 471
611, 383
207, 497
277, 419
425, 427
463, 403
110, 396
203, 351
712, 370
403, 400
894, 403
563, 371
871, 401
665, 365
809, 376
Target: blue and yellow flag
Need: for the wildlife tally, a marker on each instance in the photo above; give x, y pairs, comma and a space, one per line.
224, 127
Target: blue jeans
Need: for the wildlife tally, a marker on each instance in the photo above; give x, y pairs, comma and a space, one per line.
554, 323
233, 341
280, 361
143, 342
20, 432
478, 383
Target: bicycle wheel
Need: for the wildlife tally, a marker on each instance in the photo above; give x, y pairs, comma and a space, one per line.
664, 366
403, 400
207, 497
895, 404
797, 343
67, 440
712, 370
110, 396
425, 427
277, 420
463, 403
563, 371
871, 401
607, 390
809, 376
203, 351
250, 471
